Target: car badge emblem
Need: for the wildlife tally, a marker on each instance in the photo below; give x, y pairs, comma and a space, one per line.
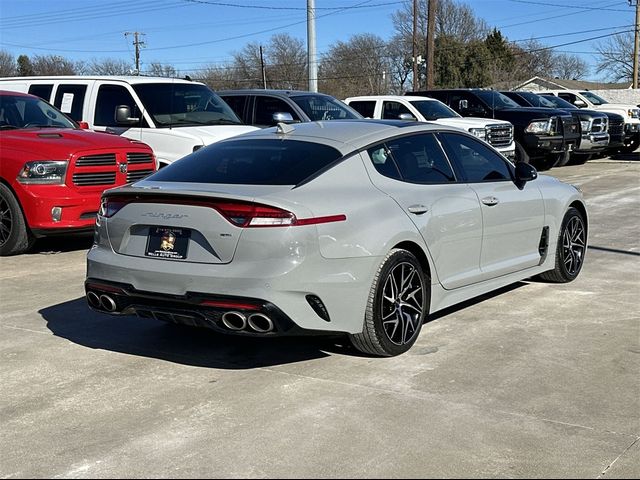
168, 241
123, 168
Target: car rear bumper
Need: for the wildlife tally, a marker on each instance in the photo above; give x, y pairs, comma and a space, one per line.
158, 287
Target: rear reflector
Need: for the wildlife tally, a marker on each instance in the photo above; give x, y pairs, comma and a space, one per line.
230, 304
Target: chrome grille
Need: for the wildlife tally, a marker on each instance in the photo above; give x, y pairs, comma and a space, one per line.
94, 178
135, 175
500, 135
139, 157
96, 160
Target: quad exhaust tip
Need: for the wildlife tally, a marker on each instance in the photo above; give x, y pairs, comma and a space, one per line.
260, 323
234, 321
108, 303
93, 299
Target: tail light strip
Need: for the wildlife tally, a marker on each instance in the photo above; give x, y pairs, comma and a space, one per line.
238, 213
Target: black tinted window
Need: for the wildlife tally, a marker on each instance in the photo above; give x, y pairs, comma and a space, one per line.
393, 110
251, 162
478, 162
236, 102
383, 162
366, 108
267, 106
420, 159
70, 100
42, 91
324, 107
109, 97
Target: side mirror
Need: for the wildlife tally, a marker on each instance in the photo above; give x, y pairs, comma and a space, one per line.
123, 115
83, 125
282, 117
406, 116
579, 103
524, 173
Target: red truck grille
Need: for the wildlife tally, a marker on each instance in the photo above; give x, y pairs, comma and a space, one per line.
111, 169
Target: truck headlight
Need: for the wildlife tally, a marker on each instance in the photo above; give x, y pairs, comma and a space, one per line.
634, 112
539, 126
481, 133
43, 172
586, 125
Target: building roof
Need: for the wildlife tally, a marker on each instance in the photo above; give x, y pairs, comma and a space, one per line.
558, 83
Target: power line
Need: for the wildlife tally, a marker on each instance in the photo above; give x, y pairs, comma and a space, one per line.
545, 4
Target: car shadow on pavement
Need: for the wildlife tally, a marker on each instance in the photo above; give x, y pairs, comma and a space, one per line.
61, 244
77, 323
626, 156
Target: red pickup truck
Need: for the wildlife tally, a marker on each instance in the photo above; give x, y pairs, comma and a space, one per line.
53, 173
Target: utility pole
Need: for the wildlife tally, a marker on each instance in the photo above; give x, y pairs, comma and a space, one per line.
311, 46
415, 57
636, 43
431, 44
138, 43
264, 74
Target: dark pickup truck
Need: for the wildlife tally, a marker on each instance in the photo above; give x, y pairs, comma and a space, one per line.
543, 136
594, 125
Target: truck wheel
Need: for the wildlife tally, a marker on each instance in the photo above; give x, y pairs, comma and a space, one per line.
15, 236
521, 154
631, 145
397, 306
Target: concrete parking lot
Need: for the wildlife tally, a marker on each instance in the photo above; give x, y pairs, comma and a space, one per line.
537, 380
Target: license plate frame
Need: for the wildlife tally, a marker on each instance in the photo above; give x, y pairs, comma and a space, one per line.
171, 243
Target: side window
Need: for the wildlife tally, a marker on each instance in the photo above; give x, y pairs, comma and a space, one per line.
393, 110
109, 97
383, 161
70, 100
478, 162
473, 105
265, 107
569, 97
421, 160
236, 102
42, 91
366, 108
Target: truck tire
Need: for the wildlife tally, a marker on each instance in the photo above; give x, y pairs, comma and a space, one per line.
15, 236
631, 145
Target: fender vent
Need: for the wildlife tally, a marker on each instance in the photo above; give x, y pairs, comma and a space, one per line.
543, 247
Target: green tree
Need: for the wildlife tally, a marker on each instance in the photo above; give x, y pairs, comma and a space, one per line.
25, 68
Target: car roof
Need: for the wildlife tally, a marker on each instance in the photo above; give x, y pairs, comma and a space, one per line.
345, 135
393, 97
131, 79
260, 91
15, 94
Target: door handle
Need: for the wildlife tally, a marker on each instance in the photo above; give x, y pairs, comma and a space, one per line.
490, 201
418, 209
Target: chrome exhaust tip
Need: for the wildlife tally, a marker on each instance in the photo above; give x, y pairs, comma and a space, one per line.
93, 299
260, 323
108, 303
234, 321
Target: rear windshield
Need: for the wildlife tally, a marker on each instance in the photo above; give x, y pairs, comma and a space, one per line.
324, 107
251, 162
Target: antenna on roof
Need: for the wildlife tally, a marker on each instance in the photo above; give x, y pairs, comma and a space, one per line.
283, 128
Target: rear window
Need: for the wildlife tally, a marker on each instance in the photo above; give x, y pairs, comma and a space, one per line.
251, 162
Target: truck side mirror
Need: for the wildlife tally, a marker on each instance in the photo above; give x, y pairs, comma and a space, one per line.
282, 117
123, 115
406, 116
579, 103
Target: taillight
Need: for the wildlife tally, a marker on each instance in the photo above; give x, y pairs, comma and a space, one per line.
240, 214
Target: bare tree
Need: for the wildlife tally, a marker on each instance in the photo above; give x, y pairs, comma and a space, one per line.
247, 66
616, 57
286, 62
8, 66
356, 67
158, 69
533, 59
53, 65
570, 67
400, 64
109, 66
218, 77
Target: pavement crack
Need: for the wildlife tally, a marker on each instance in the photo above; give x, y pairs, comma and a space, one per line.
604, 472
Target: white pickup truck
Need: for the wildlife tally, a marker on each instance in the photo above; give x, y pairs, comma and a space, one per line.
498, 133
587, 99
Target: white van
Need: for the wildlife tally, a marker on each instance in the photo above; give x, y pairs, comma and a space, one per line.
174, 117
498, 133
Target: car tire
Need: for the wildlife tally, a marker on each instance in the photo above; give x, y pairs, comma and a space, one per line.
631, 145
15, 236
570, 250
521, 154
397, 306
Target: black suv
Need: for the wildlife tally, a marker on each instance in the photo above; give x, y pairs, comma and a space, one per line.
594, 125
542, 135
265, 108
